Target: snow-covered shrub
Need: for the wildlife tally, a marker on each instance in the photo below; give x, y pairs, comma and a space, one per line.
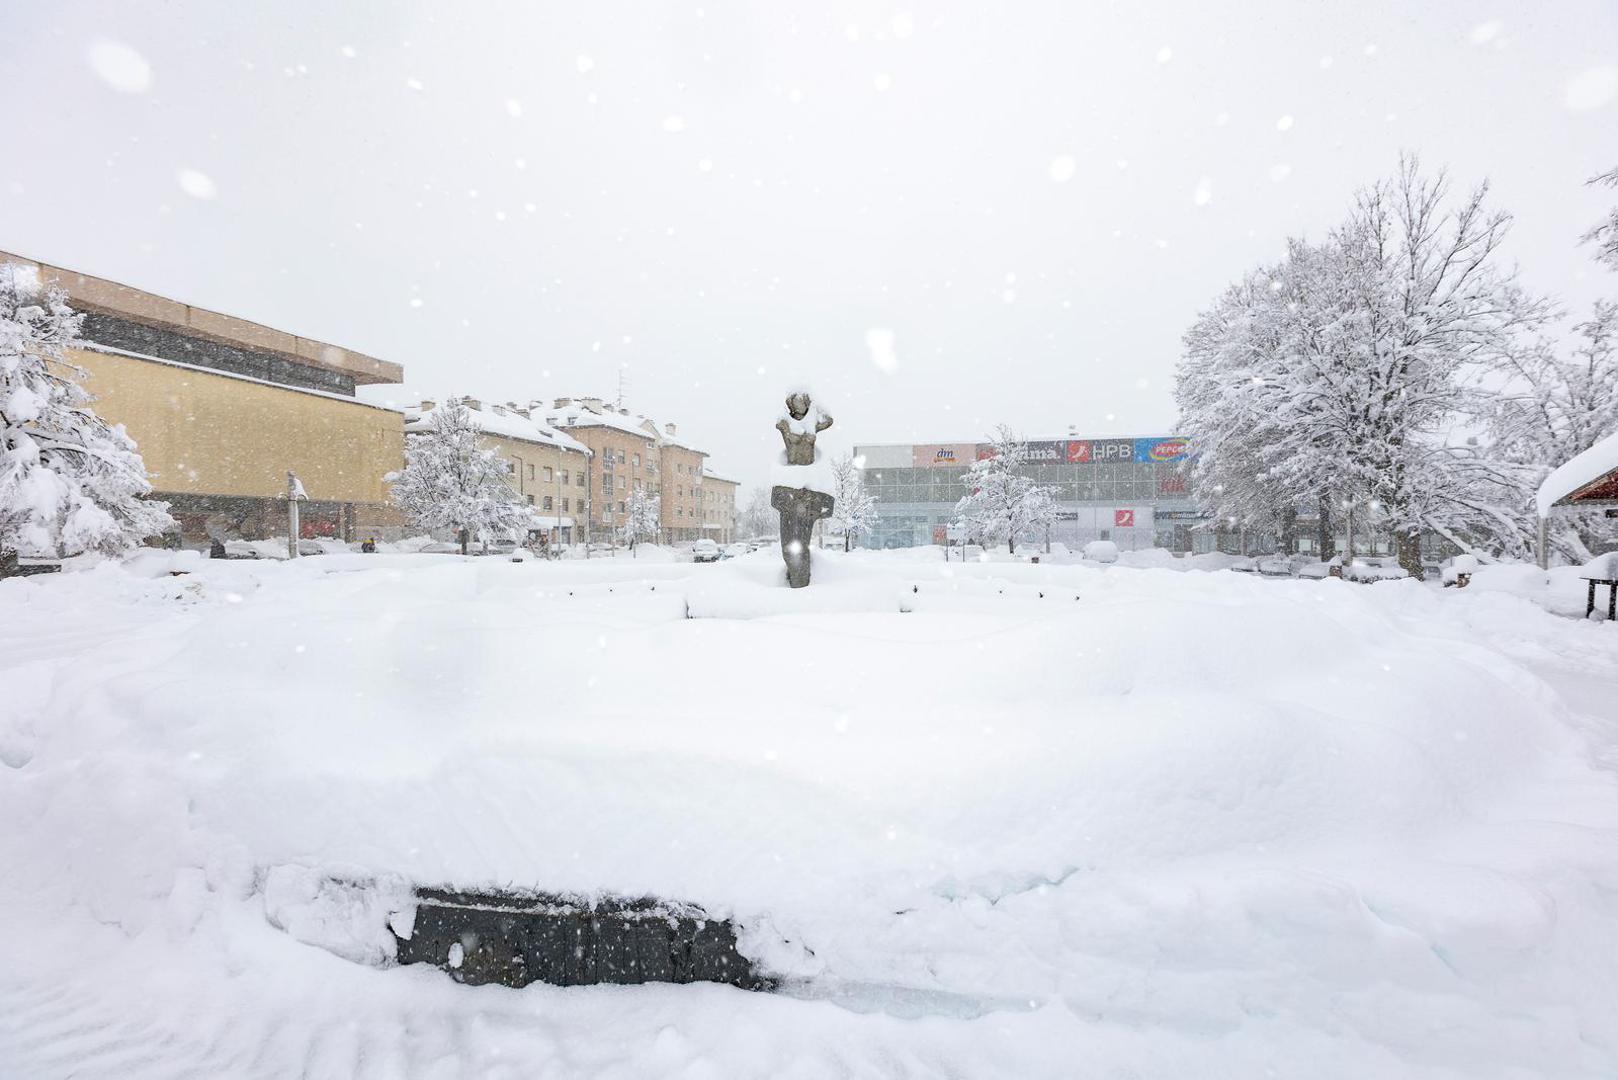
450, 481
1002, 505
70, 482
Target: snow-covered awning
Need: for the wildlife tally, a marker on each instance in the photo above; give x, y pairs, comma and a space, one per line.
1589, 479
546, 521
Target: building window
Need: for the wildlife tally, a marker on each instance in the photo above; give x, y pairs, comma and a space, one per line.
547, 503
511, 468
530, 472
620, 508
530, 500
637, 461
549, 473
564, 504
566, 479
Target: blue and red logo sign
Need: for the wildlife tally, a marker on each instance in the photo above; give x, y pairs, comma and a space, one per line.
1173, 449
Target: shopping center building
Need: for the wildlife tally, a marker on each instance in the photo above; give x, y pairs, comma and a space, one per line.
1133, 491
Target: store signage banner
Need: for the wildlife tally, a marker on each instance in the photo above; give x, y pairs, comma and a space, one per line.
1170, 449
942, 456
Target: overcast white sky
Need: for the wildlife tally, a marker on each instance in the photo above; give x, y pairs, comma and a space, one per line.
719, 199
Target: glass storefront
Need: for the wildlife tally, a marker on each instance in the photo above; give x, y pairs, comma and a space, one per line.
1135, 503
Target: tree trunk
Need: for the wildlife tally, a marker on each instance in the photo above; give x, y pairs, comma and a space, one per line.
466, 537
848, 542
1289, 531
1327, 541
1407, 546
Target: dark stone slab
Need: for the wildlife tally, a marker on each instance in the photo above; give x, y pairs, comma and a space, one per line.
514, 939
12, 566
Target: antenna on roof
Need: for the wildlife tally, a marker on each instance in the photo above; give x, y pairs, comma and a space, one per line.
623, 383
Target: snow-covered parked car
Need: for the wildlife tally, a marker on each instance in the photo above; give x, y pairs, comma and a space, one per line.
1101, 551
1275, 566
734, 551
705, 550
1368, 569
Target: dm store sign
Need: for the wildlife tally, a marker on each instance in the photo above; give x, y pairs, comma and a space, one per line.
942, 455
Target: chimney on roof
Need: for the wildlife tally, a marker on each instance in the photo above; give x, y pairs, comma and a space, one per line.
499, 410
427, 405
472, 403
668, 429
520, 410
591, 403
562, 403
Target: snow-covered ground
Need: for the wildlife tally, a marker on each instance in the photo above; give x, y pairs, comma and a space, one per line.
996, 819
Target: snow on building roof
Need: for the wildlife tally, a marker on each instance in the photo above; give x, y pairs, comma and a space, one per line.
500, 420
593, 412
1579, 472
709, 474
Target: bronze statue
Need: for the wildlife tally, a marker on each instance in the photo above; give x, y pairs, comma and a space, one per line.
799, 507
800, 441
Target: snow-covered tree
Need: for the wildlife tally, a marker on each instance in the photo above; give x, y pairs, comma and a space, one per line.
1354, 379
1228, 378
450, 481
1557, 405
642, 518
1605, 235
757, 516
1001, 503
69, 482
854, 512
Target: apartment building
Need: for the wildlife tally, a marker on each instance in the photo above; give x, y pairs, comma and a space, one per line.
633, 452
682, 489
222, 409
549, 469
625, 457
718, 508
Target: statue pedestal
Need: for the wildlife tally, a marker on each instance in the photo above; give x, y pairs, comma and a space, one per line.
799, 508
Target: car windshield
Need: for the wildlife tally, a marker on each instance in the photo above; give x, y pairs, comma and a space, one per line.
482, 488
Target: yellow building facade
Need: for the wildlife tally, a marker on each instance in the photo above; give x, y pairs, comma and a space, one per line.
718, 508
221, 409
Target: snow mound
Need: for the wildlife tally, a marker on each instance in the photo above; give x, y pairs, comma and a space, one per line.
980, 816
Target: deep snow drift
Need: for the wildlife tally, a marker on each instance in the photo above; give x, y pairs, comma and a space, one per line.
991, 820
